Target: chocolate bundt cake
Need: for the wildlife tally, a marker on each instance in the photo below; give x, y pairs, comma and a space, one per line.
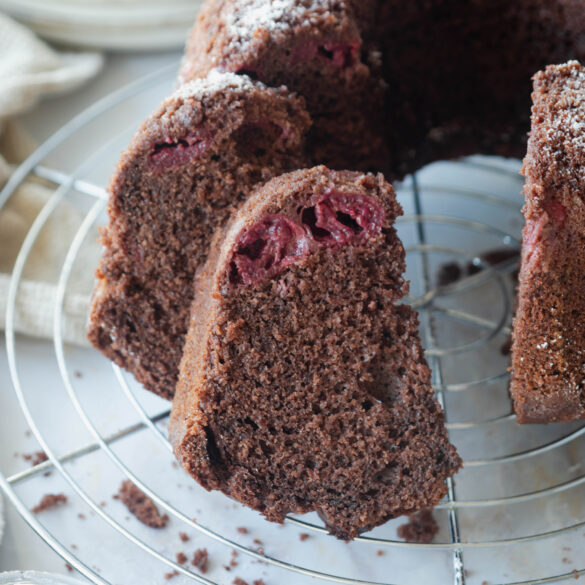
549, 328
194, 160
303, 385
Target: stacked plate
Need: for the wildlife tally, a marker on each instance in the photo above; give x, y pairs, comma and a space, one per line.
137, 25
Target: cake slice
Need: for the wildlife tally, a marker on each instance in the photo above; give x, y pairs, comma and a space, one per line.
322, 50
189, 165
548, 364
303, 385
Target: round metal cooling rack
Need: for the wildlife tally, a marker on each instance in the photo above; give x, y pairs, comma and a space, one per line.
514, 514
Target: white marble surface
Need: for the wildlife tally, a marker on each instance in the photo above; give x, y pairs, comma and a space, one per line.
22, 548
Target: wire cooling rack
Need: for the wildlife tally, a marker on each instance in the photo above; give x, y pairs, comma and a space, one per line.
514, 514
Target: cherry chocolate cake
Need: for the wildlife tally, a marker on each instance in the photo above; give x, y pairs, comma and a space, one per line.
189, 165
548, 374
303, 384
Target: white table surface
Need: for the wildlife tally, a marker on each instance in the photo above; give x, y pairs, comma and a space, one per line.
21, 547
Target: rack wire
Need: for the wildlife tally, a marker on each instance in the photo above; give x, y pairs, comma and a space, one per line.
513, 515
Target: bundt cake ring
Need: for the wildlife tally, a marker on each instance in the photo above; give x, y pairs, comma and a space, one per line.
265, 88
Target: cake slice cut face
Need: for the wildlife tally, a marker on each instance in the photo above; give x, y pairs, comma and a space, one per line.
548, 351
303, 385
189, 165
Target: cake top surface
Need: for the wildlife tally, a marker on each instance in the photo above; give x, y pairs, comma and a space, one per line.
559, 120
250, 18
215, 81
272, 15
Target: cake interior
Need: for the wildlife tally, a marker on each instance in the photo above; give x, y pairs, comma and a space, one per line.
310, 385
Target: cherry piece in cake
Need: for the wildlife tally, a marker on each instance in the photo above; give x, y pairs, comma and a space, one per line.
179, 151
276, 241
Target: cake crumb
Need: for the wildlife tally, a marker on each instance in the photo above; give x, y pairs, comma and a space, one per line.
141, 506
35, 458
448, 273
260, 546
49, 502
506, 347
239, 581
258, 582
576, 573
184, 536
303, 536
233, 562
421, 528
78, 374
200, 559
81, 516
380, 552
242, 530
181, 558
171, 575
69, 567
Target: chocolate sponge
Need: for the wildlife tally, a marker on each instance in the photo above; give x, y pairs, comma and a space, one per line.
303, 385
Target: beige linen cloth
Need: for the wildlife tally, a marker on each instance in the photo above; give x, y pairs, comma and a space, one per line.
29, 70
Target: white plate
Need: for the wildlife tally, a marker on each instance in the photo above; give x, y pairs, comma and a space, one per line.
122, 25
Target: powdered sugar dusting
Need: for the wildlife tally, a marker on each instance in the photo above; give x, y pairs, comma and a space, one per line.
215, 82
560, 115
248, 18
